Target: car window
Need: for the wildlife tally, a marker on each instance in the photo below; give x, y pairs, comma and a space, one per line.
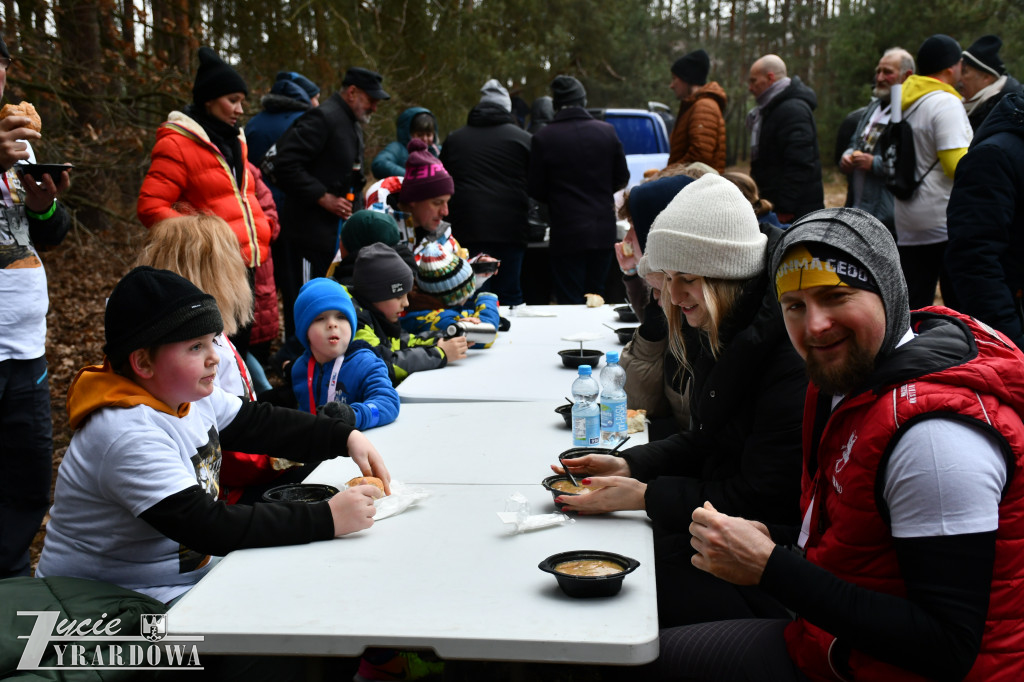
637, 134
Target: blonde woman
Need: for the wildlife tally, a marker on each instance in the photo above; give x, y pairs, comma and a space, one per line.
746, 387
203, 249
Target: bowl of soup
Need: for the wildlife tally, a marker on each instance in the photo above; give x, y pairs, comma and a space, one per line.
565, 412
561, 485
300, 492
589, 573
626, 314
572, 358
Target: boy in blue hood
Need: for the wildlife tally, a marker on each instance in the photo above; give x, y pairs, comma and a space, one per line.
338, 376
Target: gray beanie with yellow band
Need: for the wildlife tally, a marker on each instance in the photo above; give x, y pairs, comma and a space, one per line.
845, 247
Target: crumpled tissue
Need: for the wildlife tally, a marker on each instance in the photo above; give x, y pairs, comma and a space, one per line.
517, 513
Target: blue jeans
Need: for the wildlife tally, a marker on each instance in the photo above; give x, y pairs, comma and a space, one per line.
26, 458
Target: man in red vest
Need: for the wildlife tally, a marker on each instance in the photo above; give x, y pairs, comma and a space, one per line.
906, 566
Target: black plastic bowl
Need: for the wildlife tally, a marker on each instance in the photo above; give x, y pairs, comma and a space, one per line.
574, 357
626, 314
625, 334
547, 483
300, 492
565, 411
581, 586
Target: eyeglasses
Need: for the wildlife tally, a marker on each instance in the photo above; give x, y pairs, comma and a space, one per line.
5, 63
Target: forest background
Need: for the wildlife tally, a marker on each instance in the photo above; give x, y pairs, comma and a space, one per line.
105, 73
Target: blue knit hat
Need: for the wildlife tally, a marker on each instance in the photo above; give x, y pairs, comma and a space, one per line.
317, 296
310, 88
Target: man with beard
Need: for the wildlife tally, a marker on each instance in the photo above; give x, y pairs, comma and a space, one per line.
318, 163
913, 507
861, 160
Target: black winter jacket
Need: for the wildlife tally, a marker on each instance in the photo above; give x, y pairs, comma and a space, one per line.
321, 152
488, 159
576, 166
742, 452
985, 222
787, 169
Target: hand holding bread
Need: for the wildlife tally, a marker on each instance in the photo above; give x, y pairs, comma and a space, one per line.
18, 124
353, 510
366, 457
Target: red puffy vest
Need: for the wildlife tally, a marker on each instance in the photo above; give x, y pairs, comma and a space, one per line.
850, 538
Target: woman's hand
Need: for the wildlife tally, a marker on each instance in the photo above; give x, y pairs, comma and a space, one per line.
608, 494
729, 547
366, 457
594, 465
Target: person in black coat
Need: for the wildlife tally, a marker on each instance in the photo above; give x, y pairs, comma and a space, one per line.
488, 159
576, 166
983, 79
747, 387
985, 222
317, 163
785, 161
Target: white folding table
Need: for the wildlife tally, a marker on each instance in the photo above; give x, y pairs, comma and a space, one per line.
444, 575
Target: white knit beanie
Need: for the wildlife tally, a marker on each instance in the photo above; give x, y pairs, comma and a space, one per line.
495, 92
709, 229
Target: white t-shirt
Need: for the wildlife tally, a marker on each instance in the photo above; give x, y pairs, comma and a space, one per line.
939, 122
23, 298
120, 463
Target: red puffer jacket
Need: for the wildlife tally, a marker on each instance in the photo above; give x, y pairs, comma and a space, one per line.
265, 324
187, 167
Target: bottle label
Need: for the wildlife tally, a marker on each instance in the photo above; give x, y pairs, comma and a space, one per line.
613, 416
586, 431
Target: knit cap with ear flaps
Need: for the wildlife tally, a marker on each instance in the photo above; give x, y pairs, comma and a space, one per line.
445, 275
709, 229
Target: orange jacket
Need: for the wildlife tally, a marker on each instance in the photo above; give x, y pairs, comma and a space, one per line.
187, 167
699, 133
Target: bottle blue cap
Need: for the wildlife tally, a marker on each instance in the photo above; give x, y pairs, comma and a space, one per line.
612, 356
585, 370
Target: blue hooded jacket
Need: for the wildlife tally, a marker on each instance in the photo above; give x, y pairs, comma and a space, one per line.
362, 379
391, 160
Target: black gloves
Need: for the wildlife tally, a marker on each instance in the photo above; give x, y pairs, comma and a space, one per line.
336, 410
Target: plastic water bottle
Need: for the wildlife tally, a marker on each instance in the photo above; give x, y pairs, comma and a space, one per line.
613, 401
586, 414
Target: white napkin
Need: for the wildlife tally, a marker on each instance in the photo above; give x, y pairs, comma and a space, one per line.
401, 498
534, 311
517, 512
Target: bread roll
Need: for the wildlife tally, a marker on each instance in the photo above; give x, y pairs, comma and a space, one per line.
594, 300
367, 480
23, 109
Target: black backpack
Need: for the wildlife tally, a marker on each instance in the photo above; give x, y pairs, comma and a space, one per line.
899, 160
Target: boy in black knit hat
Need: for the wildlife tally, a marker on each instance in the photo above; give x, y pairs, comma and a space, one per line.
136, 496
381, 285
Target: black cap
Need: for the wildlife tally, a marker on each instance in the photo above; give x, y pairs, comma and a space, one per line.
380, 274
567, 91
983, 54
937, 53
3, 48
693, 68
150, 307
214, 78
367, 81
